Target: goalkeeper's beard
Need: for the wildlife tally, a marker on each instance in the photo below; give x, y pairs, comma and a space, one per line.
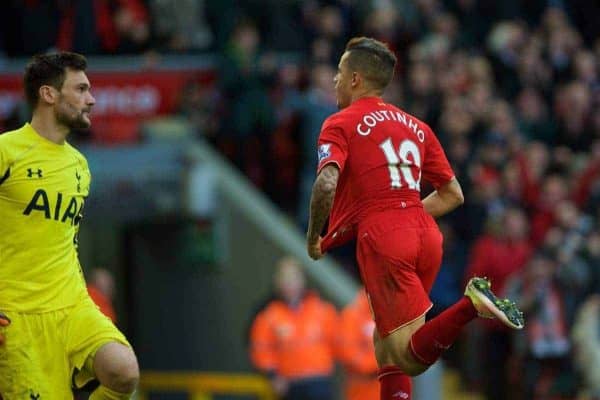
69, 116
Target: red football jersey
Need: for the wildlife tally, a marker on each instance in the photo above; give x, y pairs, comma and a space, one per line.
383, 154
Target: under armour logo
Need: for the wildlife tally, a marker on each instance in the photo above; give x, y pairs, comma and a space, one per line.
34, 396
401, 395
78, 177
30, 173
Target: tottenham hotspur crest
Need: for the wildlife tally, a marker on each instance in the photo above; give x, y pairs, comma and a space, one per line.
78, 177
324, 151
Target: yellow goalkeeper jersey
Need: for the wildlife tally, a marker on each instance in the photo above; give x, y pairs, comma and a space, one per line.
43, 186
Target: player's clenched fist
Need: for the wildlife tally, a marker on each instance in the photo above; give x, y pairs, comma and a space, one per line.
4, 321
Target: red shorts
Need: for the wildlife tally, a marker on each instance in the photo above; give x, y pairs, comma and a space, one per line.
399, 254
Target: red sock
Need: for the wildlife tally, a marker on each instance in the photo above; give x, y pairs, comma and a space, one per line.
394, 384
437, 335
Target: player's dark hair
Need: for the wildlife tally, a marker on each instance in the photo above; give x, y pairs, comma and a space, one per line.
373, 59
49, 69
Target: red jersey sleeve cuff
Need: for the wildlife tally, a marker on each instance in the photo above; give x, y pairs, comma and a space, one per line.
436, 186
337, 164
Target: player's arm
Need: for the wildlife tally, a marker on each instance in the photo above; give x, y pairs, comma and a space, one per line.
445, 199
437, 170
321, 200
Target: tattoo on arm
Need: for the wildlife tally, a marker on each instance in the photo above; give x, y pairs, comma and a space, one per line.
321, 200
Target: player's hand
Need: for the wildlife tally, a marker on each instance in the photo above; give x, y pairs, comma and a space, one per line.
4, 321
314, 249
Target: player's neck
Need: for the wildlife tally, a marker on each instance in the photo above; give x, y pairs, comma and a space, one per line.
45, 124
364, 94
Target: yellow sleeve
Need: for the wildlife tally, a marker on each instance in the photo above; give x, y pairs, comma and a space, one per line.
3, 164
87, 170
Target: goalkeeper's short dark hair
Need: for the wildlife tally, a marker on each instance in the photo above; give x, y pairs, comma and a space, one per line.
49, 69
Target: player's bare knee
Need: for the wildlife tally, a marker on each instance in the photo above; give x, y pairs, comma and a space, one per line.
124, 375
116, 367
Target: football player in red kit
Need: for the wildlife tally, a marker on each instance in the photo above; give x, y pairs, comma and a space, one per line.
372, 159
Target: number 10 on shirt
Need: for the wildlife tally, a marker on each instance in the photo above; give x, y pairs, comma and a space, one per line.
399, 161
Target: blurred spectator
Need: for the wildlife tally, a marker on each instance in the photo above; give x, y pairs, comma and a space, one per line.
330, 25
588, 180
534, 119
285, 25
455, 122
502, 252
546, 346
84, 26
293, 339
485, 201
131, 22
357, 351
248, 119
573, 107
532, 164
448, 286
553, 191
101, 288
200, 104
29, 27
585, 68
395, 23
497, 255
87, 27
103, 26
590, 253
312, 106
586, 334
532, 70
421, 97
574, 272
180, 25
505, 43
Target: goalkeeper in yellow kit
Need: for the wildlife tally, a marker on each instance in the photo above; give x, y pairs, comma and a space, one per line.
52, 336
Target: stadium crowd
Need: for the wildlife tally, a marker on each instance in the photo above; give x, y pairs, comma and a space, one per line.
511, 88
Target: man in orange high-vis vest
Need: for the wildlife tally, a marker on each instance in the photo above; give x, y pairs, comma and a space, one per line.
101, 288
292, 338
357, 351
